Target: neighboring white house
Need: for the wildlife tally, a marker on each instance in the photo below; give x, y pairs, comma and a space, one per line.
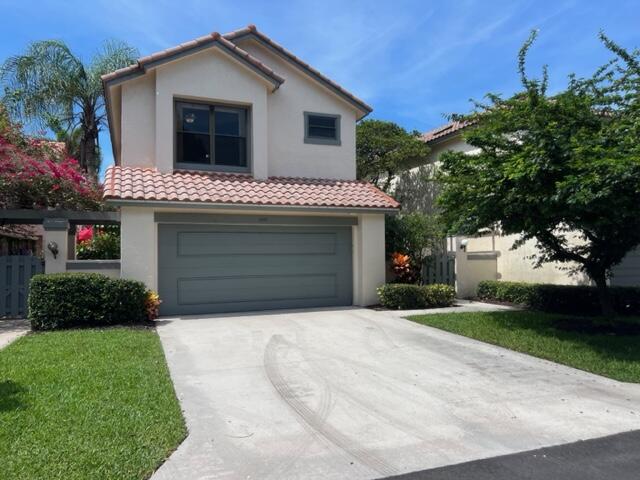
490, 257
235, 175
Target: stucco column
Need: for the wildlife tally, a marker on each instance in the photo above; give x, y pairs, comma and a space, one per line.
368, 264
138, 245
259, 139
56, 236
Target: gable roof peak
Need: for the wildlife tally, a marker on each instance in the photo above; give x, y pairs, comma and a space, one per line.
214, 39
252, 31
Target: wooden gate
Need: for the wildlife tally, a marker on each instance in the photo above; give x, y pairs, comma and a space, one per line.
15, 273
439, 268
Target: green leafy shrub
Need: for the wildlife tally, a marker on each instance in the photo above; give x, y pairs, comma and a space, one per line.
568, 299
65, 300
402, 296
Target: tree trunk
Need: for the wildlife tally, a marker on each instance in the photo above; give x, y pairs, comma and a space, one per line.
606, 305
89, 161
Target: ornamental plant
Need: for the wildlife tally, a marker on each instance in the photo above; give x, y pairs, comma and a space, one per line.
36, 173
404, 268
152, 304
98, 242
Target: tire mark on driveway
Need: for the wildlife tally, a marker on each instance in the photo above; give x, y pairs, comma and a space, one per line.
311, 418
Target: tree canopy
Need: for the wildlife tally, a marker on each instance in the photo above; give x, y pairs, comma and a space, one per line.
51, 86
561, 169
384, 149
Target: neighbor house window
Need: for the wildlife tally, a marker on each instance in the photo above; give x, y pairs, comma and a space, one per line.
321, 128
211, 137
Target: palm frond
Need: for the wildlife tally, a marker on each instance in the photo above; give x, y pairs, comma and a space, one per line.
43, 81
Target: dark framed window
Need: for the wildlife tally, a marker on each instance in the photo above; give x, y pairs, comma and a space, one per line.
321, 128
211, 137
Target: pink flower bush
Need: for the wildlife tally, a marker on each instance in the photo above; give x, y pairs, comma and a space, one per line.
36, 173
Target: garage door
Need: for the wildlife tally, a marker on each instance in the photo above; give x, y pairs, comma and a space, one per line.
227, 268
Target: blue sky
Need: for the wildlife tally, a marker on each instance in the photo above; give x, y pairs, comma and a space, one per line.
413, 61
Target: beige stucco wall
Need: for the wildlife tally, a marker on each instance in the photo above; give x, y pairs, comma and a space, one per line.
147, 116
139, 246
454, 144
471, 269
138, 113
369, 269
518, 266
276, 134
288, 154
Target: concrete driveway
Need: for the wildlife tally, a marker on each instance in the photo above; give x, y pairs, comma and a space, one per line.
354, 393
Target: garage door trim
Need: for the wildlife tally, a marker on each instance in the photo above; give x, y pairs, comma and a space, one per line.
276, 220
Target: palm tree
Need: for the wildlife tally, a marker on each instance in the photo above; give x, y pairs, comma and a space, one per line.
52, 87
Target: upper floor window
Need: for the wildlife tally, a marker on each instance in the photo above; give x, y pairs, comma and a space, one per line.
321, 128
211, 137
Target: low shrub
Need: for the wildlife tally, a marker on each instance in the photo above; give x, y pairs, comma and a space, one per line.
567, 299
65, 300
402, 296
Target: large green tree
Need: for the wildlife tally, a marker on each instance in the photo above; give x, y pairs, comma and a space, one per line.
51, 86
384, 149
562, 169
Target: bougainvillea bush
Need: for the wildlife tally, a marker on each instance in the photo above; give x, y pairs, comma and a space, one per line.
36, 173
99, 242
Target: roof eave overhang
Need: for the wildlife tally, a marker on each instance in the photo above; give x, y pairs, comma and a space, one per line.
143, 68
245, 206
110, 125
361, 107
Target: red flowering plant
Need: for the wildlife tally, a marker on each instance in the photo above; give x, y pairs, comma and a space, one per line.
403, 268
36, 173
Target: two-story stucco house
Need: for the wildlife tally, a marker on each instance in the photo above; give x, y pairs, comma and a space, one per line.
235, 175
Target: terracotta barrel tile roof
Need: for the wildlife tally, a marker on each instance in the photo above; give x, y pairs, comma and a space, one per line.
211, 39
444, 130
135, 183
226, 42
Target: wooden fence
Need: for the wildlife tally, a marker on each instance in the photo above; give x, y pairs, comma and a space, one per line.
15, 273
439, 268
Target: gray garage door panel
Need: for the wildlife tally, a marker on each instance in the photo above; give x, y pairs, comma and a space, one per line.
209, 269
255, 243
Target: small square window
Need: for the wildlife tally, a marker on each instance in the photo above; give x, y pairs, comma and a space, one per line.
321, 128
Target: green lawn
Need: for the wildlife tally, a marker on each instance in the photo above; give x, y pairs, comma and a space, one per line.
614, 356
86, 404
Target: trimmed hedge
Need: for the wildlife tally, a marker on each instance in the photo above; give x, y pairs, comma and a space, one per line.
402, 296
65, 300
567, 299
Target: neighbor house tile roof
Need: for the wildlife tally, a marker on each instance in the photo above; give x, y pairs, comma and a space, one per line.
444, 130
207, 40
148, 184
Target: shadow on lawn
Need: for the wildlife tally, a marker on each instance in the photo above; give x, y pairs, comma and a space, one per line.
10, 396
618, 346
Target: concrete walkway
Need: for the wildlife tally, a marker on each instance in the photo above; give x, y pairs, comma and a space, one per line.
359, 394
12, 329
460, 306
